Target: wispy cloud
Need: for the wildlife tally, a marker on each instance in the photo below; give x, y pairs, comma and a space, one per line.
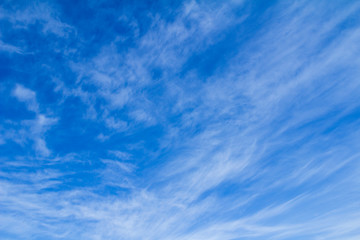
228, 120
9, 48
27, 96
33, 129
34, 13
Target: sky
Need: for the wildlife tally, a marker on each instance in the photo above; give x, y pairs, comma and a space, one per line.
179, 120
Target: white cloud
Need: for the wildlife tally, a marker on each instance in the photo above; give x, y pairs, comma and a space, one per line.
116, 124
33, 129
37, 13
237, 132
120, 155
27, 96
10, 48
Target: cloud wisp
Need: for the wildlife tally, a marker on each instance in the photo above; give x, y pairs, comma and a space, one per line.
192, 120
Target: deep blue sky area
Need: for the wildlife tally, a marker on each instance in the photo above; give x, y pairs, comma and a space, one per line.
179, 120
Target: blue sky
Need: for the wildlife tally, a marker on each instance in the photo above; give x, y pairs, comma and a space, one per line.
180, 120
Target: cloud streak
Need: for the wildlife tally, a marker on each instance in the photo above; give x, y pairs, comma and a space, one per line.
231, 120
